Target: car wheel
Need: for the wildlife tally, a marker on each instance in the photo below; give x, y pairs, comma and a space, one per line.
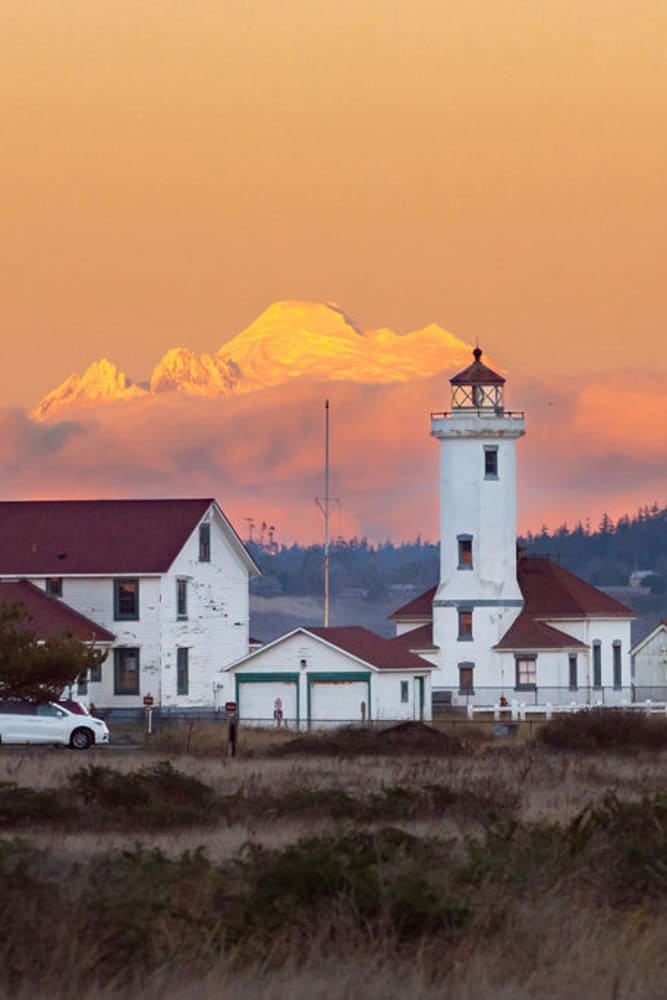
81, 739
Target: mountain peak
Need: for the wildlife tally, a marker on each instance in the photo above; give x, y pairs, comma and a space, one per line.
100, 382
289, 340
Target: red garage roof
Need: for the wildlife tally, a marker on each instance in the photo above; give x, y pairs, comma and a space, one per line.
384, 654
549, 591
526, 633
61, 537
50, 616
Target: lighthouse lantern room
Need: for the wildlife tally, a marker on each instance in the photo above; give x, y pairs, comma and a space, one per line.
478, 387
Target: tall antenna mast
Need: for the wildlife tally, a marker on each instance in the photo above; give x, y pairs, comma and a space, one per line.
324, 503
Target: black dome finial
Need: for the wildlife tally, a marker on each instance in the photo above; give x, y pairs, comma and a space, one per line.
477, 353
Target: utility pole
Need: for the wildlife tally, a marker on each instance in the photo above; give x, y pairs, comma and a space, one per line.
324, 503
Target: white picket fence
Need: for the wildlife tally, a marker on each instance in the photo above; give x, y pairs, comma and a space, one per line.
517, 711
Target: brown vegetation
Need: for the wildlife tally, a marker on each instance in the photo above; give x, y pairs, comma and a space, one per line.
486, 868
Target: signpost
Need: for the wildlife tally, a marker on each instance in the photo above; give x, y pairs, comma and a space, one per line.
278, 711
231, 709
149, 700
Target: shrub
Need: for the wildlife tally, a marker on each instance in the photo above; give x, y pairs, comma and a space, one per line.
154, 796
384, 878
404, 738
605, 729
19, 805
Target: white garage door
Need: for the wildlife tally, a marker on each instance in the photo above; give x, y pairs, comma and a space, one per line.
257, 700
338, 701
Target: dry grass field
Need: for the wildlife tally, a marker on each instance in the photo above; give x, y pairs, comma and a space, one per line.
460, 866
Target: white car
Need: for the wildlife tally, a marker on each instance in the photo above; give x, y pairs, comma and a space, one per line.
25, 722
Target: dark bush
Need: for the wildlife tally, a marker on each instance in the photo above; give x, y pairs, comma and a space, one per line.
156, 796
626, 842
383, 878
20, 806
605, 729
402, 739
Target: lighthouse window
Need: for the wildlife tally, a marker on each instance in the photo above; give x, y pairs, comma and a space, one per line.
466, 685
465, 624
465, 551
490, 462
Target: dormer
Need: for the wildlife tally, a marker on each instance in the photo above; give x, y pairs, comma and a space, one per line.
478, 387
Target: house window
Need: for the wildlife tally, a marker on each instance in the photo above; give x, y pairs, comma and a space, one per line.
465, 625
205, 542
572, 669
126, 670
618, 675
82, 686
96, 674
126, 600
182, 598
466, 685
597, 664
490, 462
526, 673
182, 670
465, 551
54, 586
405, 694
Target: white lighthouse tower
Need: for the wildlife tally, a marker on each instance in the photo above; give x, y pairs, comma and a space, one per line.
478, 596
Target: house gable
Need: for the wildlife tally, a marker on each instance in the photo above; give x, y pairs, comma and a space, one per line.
648, 639
328, 649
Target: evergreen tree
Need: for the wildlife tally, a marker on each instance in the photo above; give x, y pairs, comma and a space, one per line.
34, 670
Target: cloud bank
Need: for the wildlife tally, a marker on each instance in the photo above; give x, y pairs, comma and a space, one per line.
593, 444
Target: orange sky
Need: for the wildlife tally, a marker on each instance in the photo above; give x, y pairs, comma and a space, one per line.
171, 168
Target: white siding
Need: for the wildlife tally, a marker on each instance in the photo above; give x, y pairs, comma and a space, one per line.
651, 667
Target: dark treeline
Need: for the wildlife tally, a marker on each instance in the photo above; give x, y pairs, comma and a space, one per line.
605, 556
356, 565
608, 555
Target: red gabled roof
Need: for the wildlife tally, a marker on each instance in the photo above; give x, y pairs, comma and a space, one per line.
373, 649
526, 633
416, 638
550, 591
418, 607
60, 537
49, 616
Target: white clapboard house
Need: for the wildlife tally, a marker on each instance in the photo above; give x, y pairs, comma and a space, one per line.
163, 582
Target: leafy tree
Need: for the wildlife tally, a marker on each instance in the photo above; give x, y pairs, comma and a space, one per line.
34, 670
